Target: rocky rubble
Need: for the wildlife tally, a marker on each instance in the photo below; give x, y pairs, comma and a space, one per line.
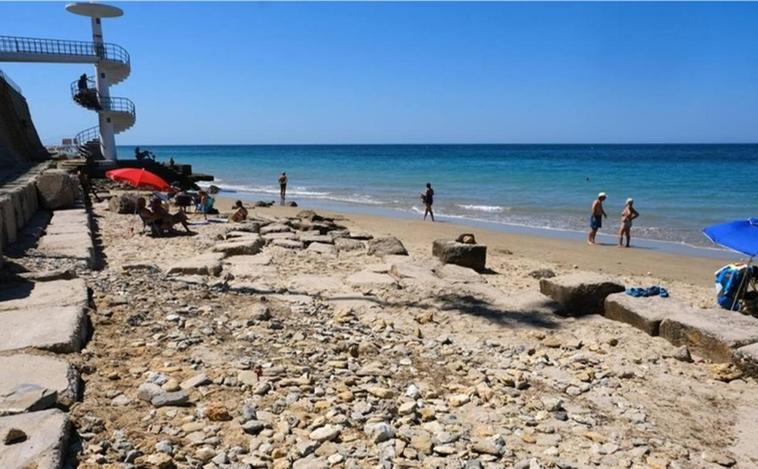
302, 357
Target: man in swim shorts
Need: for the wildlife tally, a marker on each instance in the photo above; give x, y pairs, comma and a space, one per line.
596, 219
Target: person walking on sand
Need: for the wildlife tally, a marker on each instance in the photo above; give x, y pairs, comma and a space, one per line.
627, 215
428, 199
283, 186
596, 219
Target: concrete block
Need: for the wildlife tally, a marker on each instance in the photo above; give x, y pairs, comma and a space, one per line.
8, 220
47, 434
713, 333
58, 189
645, 314
580, 293
60, 329
36, 294
24, 378
449, 251
248, 245
203, 264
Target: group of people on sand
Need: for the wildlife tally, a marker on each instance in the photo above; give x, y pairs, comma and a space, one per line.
628, 214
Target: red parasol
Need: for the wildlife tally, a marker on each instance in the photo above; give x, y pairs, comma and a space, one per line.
138, 177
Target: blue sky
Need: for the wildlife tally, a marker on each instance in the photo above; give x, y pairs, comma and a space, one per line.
412, 72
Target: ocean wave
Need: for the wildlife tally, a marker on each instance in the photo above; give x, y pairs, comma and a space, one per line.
298, 191
483, 208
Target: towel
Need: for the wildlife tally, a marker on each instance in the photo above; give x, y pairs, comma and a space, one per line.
655, 290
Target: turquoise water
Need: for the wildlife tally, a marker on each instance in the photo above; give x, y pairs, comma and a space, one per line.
678, 189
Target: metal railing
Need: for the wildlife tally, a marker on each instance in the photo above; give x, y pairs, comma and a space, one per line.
112, 104
87, 135
31, 45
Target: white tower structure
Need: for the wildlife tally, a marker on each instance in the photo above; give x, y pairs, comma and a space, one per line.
112, 65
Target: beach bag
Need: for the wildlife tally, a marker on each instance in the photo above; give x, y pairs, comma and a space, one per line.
731, 282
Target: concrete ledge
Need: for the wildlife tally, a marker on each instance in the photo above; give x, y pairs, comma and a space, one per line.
645, 314
55, 328
47, 435
69, 236
713, 333
54, 293
247, 245
580, 293
25, 380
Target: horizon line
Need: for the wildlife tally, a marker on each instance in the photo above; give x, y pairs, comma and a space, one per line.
423, 144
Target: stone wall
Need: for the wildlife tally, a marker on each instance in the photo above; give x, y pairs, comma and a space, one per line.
19, 141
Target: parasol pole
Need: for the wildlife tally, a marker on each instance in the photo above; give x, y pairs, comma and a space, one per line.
742, 284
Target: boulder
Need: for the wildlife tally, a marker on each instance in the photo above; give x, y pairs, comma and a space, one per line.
448, 251
580, 293
368, 278
58, 189
386, 246
645, 314
124, 203
46, 436
712, 333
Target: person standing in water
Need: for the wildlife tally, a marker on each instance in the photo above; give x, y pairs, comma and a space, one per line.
283, 186
596, 219
428, 199
627, 215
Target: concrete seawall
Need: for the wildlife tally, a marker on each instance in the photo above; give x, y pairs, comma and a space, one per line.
19, 201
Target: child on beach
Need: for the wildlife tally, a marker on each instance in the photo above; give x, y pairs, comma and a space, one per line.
627, 215
596, 219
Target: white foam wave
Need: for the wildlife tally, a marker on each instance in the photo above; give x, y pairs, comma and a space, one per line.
483, 208
303, 192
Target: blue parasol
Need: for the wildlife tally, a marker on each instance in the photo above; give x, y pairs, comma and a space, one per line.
739, 235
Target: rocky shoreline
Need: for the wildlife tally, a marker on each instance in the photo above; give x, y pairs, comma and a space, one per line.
307, 342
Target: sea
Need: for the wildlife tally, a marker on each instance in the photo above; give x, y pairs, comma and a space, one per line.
547, 189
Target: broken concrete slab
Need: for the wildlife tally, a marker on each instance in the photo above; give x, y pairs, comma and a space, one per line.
248, 245
275, 228
47, 434
347, 244
315, 284
450, 251
712, 333
645, 314
204, 264
61, 329
280, 235
358, 303
34, 294
24, 379
322, 248
457, 274
368, 278
316, 238
580, 293
287, 243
